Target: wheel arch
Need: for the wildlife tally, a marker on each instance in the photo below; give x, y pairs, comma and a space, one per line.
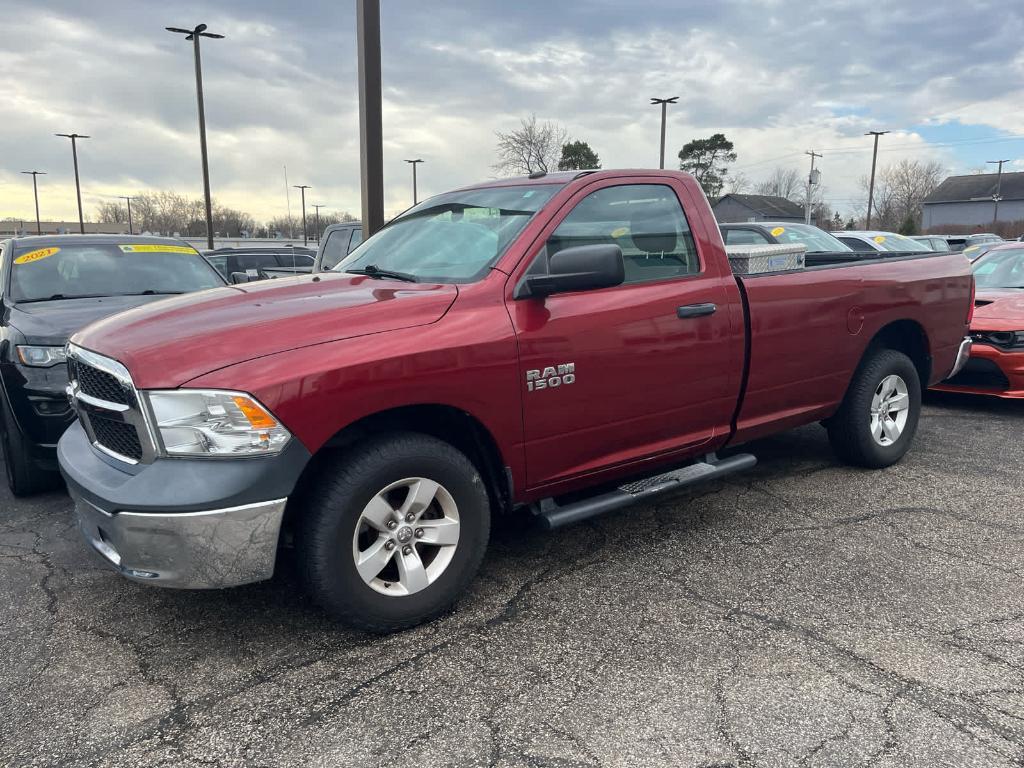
910, 338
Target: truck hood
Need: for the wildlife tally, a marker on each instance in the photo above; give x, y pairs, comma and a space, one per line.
999, 310
168, 344
51, 323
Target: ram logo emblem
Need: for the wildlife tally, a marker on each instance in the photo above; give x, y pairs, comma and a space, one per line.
550, 377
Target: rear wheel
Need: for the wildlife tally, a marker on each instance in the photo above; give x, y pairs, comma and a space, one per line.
23, 476
393, 532
877, 420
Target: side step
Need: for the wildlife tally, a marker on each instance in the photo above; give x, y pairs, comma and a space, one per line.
553, 515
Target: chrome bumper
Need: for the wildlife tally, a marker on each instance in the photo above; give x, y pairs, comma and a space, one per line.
187, 550
962, 356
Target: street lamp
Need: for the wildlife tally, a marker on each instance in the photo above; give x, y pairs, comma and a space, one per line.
664, 112
414, 163
35, 193
303, 188
871, 184
317, 206
999, 185
129, 200
194, 35
78, 187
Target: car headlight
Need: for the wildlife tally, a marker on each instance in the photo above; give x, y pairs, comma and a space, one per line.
212, 422
41, 357
1004, 339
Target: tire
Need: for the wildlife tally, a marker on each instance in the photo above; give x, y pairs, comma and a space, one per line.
24, 478
346, 514
860, 432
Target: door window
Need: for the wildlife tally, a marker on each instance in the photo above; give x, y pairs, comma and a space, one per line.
645, 220
357, 238
335, 248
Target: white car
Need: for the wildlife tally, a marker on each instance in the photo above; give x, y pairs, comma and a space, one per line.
866, 242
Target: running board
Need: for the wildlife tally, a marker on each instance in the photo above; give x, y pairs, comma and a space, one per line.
553, 515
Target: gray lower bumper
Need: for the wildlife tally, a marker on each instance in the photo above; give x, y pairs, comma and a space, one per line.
192, 550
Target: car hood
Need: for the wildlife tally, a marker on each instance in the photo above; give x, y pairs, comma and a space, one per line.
999, 310
51, 323
171, 343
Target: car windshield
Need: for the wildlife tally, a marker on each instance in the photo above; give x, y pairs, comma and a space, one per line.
1000, 269
813, 239
455, 237
890, 241
71, 271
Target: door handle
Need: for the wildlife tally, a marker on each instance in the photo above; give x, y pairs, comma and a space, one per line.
695, 310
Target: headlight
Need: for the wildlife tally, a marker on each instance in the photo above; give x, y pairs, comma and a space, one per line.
41, 357
1004, 339
211, 422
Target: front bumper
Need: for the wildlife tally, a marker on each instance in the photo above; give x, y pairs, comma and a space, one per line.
187, 523
989, 371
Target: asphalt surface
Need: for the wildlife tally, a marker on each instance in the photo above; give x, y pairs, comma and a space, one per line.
802, 614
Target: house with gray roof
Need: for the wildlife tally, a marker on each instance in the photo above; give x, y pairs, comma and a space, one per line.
968, 201
733, 208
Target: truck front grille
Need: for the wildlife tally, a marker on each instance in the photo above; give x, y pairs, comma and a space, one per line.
108, 406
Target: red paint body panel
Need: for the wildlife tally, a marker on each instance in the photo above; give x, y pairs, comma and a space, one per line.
650, 388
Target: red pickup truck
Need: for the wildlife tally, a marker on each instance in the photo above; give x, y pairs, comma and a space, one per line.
565, 344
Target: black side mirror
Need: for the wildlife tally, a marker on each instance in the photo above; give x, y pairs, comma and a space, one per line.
582, 268
245, 277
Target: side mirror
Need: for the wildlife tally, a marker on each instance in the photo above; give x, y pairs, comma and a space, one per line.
245, 277
582, 268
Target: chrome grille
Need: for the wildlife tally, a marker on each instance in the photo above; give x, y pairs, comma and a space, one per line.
105, 399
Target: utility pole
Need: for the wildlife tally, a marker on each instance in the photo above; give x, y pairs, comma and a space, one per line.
871, 184
811, 181
35, 193
999, 185
78, 187
317, 207
664, 115
414, 163
302, 188
194, 35
129, 201
371, 127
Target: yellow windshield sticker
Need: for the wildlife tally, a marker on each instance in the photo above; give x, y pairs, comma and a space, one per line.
778, 231
156, 249
879, 239
620, 232
42, 253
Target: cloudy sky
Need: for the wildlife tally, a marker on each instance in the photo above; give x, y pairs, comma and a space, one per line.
777, 77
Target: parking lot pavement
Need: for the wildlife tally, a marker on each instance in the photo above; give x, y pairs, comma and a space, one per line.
802, 614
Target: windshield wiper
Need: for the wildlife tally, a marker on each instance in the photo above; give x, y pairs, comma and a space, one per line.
372, 270
152, 292
58, 296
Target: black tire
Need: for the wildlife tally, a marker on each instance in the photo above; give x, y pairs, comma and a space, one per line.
331, 511
24, 478
849, 430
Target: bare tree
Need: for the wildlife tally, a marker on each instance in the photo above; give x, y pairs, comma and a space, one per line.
532, 147
738, 183
899, 190
783, 182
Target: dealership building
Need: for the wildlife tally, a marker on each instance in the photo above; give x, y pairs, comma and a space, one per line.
968, 202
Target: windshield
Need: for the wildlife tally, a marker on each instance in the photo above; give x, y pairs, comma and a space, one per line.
1000, 269
455, 237
109, 269
890, 241
813, 239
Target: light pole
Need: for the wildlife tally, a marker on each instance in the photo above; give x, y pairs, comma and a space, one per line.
303, 188
371, 128
811, 181
129, 200
664, 114
194, 35
78, 187
414, 163
999, 185
871, 184
317, 207
35, 193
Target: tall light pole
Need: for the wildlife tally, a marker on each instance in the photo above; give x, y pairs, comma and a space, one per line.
371, 128
78, 187
303, 188
871, 184
317, 207
811, 181
414, 163
35, 193
999, 185
664, 116
129, 200
194, 35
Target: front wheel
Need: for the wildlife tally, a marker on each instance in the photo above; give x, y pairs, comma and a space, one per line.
877, 420
393, 532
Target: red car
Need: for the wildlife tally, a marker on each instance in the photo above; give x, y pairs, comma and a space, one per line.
996, 365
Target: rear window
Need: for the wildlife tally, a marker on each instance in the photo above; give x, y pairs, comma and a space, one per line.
115, 269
